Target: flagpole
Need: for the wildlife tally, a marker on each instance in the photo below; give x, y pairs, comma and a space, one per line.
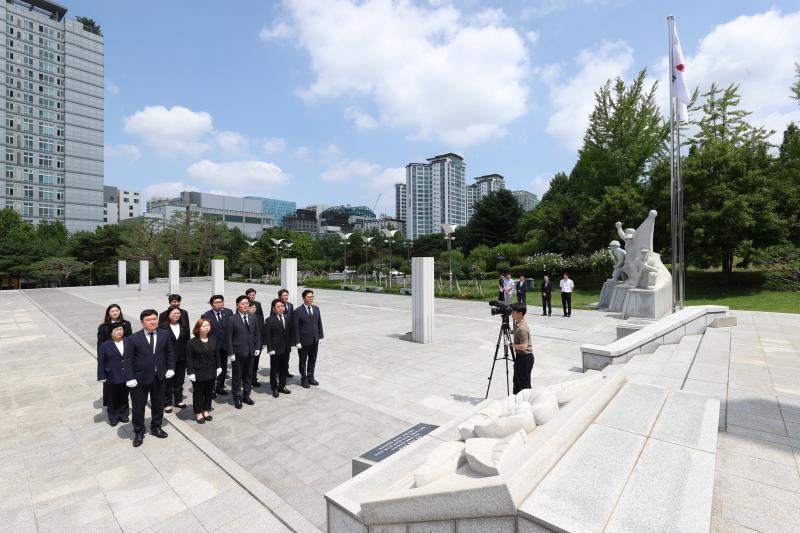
672, 173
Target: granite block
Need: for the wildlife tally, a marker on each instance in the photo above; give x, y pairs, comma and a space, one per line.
527, 526
388, 528
501, 524
442, 526
340, 521
634, 409
688, 419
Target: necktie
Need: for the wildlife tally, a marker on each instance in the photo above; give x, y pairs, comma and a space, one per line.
152, 343
246, 323
308, 308
219, 318
282, 323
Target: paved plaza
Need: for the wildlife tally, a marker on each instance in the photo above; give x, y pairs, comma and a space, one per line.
267, 466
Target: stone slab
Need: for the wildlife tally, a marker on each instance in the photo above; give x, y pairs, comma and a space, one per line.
634, 409
688, 419
502, 524
442, 526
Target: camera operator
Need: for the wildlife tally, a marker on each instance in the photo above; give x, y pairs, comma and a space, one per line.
523, 363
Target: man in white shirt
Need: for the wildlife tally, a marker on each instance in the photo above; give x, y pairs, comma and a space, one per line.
567, 286
508, 288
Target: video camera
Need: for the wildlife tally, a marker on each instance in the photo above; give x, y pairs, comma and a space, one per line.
499, 308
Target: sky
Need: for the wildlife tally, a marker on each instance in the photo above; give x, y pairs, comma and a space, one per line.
327, 101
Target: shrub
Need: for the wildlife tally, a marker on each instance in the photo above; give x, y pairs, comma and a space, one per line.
781, 267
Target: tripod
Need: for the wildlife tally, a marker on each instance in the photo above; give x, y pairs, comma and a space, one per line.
502, 337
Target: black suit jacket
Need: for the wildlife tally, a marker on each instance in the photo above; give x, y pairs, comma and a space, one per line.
521, 286
241, 340
547, 288
218, 328
202, 358
110, 363
104, 331
142, 363
164, 318
179, 342
307, 329
277, 337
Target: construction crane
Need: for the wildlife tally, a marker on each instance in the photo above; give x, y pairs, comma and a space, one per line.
378, 199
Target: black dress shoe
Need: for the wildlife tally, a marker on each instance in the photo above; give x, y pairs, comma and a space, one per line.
114, 423
209, 418
213, 395
248, 401
221, 392
284, 390
138, 439
201, 420
289, 375
158, 432
257, 384
305, 385
274, 393
313, 381
124, 419
237, 403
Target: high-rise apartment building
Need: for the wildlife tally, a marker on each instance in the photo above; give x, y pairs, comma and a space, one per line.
52, 115
436, 194
120, 204
527, 200
482, 187
400, 200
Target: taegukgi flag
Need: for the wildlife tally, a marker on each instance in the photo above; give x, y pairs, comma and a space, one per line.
679, 89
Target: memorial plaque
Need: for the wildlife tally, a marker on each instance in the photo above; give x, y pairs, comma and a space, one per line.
397, 443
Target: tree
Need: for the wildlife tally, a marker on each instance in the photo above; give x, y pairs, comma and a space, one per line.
495, 221
796, 85
60, 268
101, 246
90, 25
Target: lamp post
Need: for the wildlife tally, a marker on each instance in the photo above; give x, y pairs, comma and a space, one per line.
448, 235
408, 245
389, 234
91, 264
277, 243
345, 237
367, 240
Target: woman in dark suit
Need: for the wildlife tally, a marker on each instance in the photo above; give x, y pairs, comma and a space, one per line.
113, 316
110, 370
178, 331
202, 364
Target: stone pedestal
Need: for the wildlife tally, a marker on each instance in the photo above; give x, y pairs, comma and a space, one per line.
174, 276
618, 297
606, 293
422, 299
122, 273
289, 277
144, 275
648, 303
218, 276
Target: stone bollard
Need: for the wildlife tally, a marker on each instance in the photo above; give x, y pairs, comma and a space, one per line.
289, 278
218, 276
144, 275
422, 299
122, 273
174, 276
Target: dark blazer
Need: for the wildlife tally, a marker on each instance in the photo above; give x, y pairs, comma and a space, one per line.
288, 309
163, 317
521, 286
241, 340
179, 342
259, 310
110, 363
277, 337
104, 331
141, 363
547, 288
217, 328
307, 330
202, 358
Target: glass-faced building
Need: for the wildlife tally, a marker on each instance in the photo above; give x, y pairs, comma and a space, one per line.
276, 209
52, 115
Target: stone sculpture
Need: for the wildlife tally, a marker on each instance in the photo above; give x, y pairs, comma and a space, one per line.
619, 261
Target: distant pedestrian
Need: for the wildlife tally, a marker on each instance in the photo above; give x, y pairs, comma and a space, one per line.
202, 364
567, 286
110, 370
522, 289
547, 293
508, 288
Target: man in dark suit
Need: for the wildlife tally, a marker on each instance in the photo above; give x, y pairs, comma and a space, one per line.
148, 364
522, 289
251, 295
278, 338
218, 316
174, 299
547, 293
307, 326
288, 309
243, 342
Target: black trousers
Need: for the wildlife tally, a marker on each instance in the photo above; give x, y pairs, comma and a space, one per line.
156, 392
223, 364
521, 297
523, 366
256, 359
242, 376
308, 360
117, 397
201, 395
278, 369
547, 304
174, 393
566, 303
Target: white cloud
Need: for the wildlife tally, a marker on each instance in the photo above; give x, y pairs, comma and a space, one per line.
540, 184
387, 178
330, 151
302, 152
232, 143
345, 169
573, 100
125, 151
532, 36
542, 8
168, 189
177, 130
362, 120
238, 177
491, 17
279, 30
425, 68
112, 87
274, 145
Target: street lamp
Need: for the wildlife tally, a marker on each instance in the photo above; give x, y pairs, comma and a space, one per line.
277, 243
448, 235
367, 240
90, 263
345, 237
389, 234
408, 245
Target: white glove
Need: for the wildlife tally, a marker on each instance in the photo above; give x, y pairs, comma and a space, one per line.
170, 373
271, 352
320, 341
131, 384
219, 371
233, 358
257, 352
102, 381
191, 377
299, 346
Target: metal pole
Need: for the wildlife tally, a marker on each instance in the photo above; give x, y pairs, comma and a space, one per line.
366, 260
390, 261
450, 257
680, 238
673, 178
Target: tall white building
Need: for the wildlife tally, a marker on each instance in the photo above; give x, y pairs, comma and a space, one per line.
400, 200
482, 187
120, 205
52, 107
527, 200
436, 194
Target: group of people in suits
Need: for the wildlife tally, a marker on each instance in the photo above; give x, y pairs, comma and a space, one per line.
155, 361
506, 286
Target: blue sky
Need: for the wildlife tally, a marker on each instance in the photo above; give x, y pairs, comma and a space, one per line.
326, 101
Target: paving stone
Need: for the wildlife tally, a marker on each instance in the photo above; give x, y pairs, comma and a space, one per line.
757, 506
